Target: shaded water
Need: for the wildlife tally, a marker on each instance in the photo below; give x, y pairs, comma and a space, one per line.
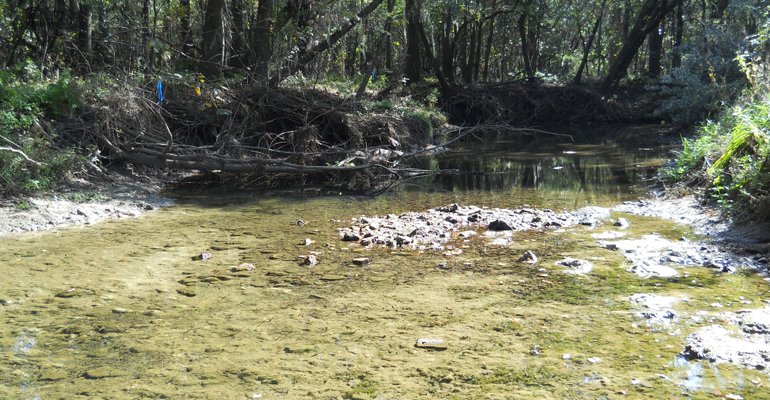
123, 310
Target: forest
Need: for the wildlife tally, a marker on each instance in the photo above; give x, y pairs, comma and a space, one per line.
341, 91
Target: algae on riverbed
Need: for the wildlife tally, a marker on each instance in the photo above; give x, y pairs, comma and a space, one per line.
122, 310
96, 312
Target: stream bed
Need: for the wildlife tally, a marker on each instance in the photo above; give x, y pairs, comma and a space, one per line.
244, 295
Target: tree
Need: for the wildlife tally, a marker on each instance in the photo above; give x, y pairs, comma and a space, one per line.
213, 40
413, 62
648, 19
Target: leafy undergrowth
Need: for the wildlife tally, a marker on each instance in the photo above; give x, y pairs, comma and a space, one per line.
729, 158
27, 103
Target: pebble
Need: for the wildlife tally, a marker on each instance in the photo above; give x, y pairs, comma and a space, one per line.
437, 344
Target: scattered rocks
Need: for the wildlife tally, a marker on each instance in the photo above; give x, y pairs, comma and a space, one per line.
434, 227
656, 309
654, 256
652, 301
115, 202
575, 266
748, 346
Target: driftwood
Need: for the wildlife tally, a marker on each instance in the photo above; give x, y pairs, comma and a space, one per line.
381, 166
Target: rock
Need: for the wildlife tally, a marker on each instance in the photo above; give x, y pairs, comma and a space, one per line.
528, 257
301, 223
644, 270
434, 344
756, 321
187, 291
204, 256
333, 278
242, 267
350, 237
104, 372
53, 375
719, 345
466, 234
652, 301
449, 209
73, 292
498, 225
307, 242
566, 356
594, 360
576, 266
361, 261
622, 223
310, 261
608, 245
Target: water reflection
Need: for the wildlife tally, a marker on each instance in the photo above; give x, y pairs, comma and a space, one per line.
603, 167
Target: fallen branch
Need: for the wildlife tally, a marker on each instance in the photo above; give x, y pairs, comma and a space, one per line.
21, 153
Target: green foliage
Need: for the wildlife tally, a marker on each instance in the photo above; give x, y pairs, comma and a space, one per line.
731, 155
708, 79
25, 101
383, 105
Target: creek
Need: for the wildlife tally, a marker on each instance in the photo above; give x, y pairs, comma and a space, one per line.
127, 309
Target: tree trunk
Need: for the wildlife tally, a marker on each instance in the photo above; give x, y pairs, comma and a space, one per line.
468, 70
533, 31
462, 40
488, 49
389, 41
413, 63
436, 67
213, 37
587, 49
85, 31
524, 50
648, 18
238, 60
477, 61
676, 61
262, 46
185, 39
655, 46
447, 55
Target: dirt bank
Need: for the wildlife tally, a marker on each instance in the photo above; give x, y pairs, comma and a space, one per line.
124, 194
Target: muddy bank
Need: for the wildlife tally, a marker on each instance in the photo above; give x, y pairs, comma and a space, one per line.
82, 202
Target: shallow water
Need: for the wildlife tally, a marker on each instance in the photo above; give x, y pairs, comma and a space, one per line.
123, 310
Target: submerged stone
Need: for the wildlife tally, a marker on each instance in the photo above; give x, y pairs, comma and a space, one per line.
575, 266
